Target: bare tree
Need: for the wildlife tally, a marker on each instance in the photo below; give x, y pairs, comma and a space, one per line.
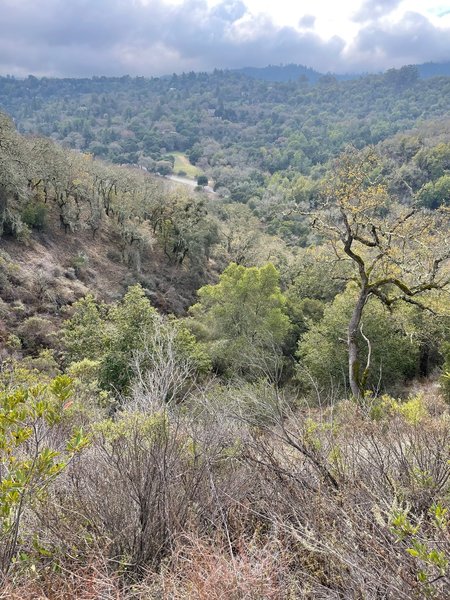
163, 373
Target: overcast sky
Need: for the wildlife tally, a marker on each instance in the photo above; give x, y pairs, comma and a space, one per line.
153, 37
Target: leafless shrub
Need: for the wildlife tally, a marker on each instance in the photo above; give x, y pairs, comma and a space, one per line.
343, 477
146, 480
163, 373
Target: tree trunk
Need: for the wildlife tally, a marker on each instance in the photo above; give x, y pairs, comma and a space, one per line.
354, 374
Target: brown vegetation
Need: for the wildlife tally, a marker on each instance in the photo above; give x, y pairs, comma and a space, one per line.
344, 502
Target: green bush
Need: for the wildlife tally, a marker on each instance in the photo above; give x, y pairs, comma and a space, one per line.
118, 335
244, 320
35, 215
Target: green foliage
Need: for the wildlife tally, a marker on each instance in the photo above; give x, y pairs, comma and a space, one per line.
152, 429
264, 125
34, 215
435, 161
164, 167
435, 193
90, 397
413, 410
243, 318
83, 333
188, 348
29, 459
432, 563
323, 348
130, 329
317, 275
110, 335
113, 337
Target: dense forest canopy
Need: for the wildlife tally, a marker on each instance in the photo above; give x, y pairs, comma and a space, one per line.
224, 117
187, 353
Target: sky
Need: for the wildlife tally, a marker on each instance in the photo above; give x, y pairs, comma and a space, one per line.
82, 38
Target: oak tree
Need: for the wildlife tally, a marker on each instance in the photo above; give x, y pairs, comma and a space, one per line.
397, 253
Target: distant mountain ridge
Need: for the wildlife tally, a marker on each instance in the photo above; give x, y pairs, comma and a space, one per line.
430, 69
293, 72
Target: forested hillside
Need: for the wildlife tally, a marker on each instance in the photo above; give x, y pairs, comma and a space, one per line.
240, 394
224, 117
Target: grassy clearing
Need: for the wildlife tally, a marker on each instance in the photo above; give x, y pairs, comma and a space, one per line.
182, 164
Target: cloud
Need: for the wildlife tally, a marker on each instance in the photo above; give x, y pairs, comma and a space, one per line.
153, 37
114, 37
371, 10
410, 40
230, 10
307, 21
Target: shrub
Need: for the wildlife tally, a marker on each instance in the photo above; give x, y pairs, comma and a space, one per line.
79, 263
31, 456
34, 215
37, 333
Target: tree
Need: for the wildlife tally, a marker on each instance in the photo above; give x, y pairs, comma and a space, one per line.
127, 339
186, 231
13, 161
241, 235
435, 194
394, 353
397, 253
243, 319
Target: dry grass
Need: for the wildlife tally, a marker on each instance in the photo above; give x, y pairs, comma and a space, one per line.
202, 570
90, 582
44, 279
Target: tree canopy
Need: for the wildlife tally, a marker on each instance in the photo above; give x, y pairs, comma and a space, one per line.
243, 317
